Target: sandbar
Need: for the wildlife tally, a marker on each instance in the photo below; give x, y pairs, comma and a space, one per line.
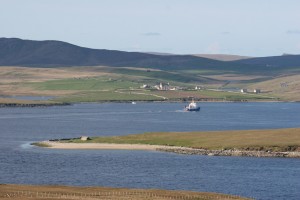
103, 146
169, 149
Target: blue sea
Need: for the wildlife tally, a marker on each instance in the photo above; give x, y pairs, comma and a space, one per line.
259, 178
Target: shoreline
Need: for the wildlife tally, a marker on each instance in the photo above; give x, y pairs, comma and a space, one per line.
31, 105
28, 105
162, 148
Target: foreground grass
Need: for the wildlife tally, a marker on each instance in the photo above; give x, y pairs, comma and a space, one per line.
268, 140
23, 192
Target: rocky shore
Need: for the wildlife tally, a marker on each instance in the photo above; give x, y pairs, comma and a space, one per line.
191, 151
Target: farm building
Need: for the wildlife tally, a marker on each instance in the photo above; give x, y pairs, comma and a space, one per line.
256, 91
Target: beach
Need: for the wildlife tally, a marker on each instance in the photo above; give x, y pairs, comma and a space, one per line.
170, 149
103, 146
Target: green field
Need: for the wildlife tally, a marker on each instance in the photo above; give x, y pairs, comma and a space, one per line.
107, 89
271, 140
85, 84
98, 84
164, 76
212, 95
106, 96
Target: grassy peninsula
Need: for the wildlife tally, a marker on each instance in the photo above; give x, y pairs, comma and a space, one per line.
276, 140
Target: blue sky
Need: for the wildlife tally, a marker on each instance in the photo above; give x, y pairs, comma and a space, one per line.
243, 27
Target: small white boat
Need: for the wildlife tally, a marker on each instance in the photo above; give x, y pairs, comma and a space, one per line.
192, 107
133, 102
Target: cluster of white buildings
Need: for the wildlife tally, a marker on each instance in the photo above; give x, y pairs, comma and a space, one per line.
161, 86
256, 91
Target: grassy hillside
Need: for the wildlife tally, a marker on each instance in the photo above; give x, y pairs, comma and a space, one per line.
222, 57
96, 83
285, 87
18, 52
274, 62
93, 84
107, 75
53, 54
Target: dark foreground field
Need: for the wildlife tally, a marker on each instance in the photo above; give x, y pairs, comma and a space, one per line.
23, 192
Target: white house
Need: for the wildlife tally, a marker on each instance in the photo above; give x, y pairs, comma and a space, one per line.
198, 87
145, 86
256, 91
84, 138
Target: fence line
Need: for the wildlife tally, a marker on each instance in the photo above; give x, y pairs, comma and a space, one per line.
115, 194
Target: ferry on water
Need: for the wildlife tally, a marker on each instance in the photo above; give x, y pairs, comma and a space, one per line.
192, 107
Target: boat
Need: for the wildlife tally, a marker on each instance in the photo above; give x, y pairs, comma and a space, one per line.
133, 102
192, 107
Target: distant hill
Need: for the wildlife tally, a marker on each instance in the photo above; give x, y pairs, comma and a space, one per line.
18, 52
274, 61
161, 53
222, 57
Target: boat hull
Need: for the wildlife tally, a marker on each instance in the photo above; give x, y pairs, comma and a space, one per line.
193, 109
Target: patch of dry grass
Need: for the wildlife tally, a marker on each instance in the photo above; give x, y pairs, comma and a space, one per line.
286, 87
13, 79
24, 74
24, 192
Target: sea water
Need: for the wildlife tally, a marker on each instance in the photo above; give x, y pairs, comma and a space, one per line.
260, 178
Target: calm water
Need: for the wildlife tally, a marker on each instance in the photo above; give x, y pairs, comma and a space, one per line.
261, 178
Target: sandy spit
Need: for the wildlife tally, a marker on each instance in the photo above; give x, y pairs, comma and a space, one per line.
170, 149
60, 145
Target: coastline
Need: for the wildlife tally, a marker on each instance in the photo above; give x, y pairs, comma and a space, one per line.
40, 103
45, 104
31, 105
169, 149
